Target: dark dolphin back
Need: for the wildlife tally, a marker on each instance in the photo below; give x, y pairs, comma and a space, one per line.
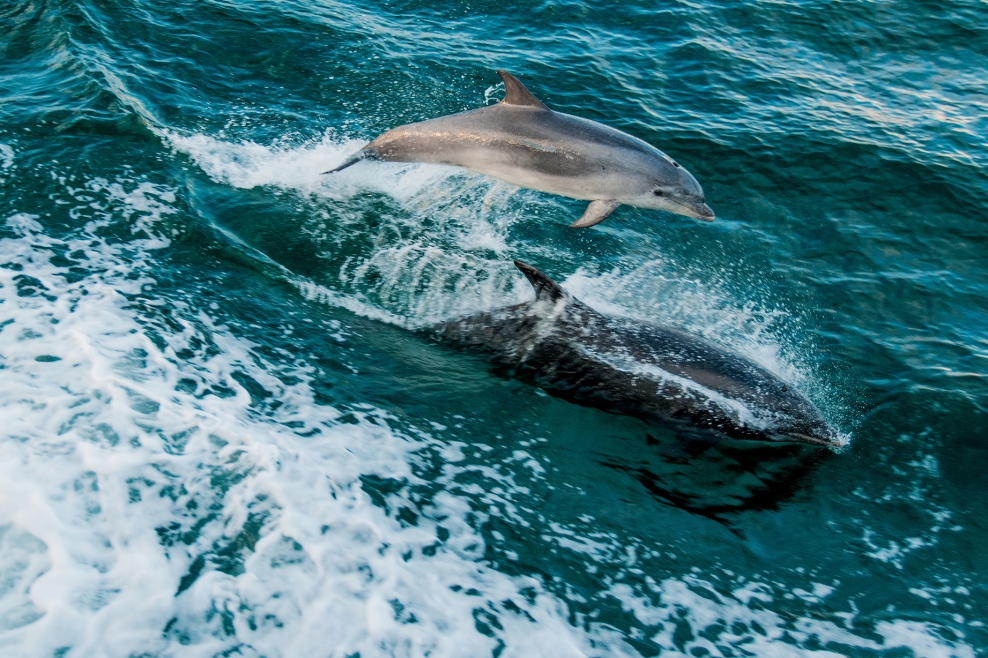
679, 353
765, 395
636, 368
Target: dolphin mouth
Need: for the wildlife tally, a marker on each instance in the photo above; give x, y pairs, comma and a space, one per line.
698, 210
829, 441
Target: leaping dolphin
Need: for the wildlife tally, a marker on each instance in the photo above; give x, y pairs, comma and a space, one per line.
521, 141
655, 373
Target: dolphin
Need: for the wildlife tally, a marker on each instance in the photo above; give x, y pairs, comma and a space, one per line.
635, 368
521, 141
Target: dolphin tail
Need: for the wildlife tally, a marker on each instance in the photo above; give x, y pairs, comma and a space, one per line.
362, 154
544, 286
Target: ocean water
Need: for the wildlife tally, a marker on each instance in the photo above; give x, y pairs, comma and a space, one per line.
221, 434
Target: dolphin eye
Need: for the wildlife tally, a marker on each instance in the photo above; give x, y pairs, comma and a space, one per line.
658, 193
675, 164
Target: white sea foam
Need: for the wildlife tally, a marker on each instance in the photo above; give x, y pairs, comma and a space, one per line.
6, 156
111, 444
698, 603
300, 168
247, 164
140, 513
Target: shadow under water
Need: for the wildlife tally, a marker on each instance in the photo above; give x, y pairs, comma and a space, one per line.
715, 477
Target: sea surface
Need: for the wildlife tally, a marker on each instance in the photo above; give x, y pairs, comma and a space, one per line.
224, 433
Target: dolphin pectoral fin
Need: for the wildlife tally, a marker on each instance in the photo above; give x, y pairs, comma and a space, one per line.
362, 154
596, 212
516, 94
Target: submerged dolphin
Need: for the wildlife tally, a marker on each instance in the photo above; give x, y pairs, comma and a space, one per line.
634, 368
522, 141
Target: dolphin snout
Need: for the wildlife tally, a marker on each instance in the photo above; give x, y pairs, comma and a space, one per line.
703, 211
831, 441
819, 433
694, 208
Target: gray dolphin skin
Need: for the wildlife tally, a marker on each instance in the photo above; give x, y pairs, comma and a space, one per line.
521, 141
629, 367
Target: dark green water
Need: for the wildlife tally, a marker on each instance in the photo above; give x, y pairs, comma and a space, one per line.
220, 436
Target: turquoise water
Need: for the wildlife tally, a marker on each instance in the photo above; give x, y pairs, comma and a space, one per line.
222, 434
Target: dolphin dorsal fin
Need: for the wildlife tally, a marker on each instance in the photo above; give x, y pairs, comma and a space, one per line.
545, 288
516, 94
